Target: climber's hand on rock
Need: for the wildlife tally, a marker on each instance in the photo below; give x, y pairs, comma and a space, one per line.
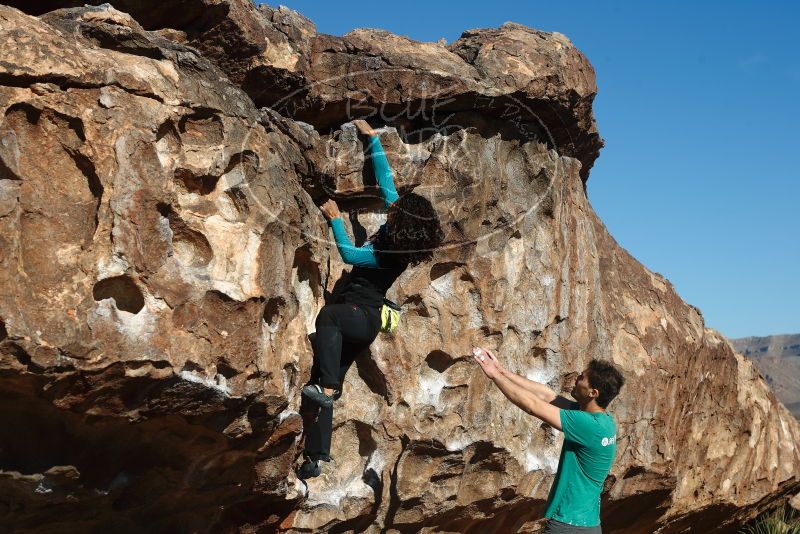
363, 127
330, 209
487, 361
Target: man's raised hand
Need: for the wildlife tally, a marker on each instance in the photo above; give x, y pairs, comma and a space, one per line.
493, 358
488, 362
489, 354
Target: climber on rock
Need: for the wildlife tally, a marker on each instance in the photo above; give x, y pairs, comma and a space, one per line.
590, 437
343, 329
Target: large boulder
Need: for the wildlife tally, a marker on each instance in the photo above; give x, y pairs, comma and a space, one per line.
158, 281
513, 72
163, 261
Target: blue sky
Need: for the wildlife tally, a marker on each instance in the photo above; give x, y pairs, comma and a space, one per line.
699, 104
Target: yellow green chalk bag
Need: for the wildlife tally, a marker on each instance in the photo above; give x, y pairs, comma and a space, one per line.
390, 316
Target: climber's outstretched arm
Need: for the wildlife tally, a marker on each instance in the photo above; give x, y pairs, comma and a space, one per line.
383, 172
527, 400
351, 254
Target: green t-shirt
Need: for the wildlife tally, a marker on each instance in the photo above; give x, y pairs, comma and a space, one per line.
590, 443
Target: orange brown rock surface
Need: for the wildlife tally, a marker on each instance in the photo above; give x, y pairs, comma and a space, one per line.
163, 261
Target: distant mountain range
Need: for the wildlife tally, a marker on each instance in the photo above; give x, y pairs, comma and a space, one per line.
778, 359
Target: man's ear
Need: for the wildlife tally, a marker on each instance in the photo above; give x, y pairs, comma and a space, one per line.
594, 393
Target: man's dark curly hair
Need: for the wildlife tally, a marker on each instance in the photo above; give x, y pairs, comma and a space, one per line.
413, 233
606, 379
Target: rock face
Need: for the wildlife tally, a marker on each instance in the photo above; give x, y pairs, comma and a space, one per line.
778, 359
277, 57
163, 261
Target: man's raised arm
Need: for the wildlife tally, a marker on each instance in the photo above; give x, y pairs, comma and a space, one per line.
529, 401
540, 390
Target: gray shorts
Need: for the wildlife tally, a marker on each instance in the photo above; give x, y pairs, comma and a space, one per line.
557, 527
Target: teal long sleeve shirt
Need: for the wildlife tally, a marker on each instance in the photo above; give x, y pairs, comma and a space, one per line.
383, 173
365, 256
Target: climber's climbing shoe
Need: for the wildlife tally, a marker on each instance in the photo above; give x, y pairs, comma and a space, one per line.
309, 469
316, 394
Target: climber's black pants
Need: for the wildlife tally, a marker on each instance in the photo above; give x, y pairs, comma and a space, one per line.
343, 331
340, 326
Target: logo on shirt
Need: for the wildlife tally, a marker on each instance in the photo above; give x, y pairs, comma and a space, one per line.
608, 441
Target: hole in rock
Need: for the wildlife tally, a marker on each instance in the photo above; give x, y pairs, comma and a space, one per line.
201, 185
166, 130
30, 113
239, 199
193, 367
33, 115
366, 443
164, 209
257, 411
203, 127
634, 471
87, 167
272, 309
441, 269
307, 269
488, 331
5, 172
439, 360
21, 356
57, 173
290, 372
226, 369
415, 303
126, 294
168, 143
247, 161
483, 451
189, 245
220, 302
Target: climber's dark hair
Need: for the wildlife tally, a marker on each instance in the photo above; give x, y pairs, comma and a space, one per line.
606, 379
414, 233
